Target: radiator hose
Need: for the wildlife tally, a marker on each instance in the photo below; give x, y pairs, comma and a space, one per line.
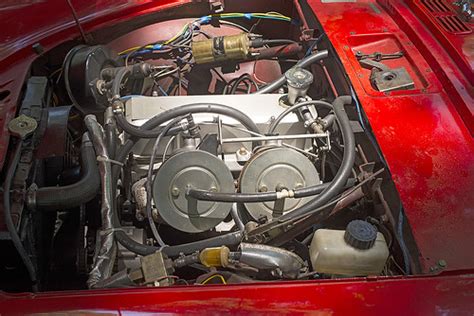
70, 196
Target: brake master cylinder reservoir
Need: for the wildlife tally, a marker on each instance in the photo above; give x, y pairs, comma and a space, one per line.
358, 251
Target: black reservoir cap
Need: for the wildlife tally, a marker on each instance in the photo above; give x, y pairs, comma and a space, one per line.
360, 234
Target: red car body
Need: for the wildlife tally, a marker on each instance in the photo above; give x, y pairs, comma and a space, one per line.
425, 134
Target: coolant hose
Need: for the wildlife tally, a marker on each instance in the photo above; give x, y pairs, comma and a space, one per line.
345, 170
73, 195
229, 239
305, 62
146, 130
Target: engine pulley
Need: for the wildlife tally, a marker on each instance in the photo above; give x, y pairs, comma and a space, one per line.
275, 169
196, 169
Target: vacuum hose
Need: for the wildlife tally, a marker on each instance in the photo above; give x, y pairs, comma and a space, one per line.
305, 62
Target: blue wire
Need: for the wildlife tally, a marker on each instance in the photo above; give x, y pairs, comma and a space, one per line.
162, 90
403, 246
316, 41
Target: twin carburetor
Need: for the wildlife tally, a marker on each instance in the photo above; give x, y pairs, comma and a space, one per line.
227, 159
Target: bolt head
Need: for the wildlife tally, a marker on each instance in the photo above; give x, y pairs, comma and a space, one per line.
263, 188
175, 191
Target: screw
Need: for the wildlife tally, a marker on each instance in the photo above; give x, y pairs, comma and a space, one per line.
442, 263
242, 150
298, 185
175, 192
213, 189
263, 188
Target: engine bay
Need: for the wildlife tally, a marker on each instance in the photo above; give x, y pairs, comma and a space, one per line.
216, 148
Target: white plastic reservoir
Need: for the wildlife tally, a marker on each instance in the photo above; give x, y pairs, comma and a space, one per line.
330, 253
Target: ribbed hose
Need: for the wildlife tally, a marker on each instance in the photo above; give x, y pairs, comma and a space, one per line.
305, 62
73, 195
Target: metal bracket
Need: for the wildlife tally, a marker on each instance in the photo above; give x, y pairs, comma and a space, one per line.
386, 79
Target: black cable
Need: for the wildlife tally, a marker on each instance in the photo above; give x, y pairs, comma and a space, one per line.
242, 79
8, 217
149, 192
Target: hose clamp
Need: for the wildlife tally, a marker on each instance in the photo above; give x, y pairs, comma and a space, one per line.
31, 197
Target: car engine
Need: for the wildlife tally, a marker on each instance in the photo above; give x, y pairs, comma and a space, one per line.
213, 148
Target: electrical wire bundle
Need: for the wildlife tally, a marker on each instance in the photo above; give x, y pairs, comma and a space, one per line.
181, 41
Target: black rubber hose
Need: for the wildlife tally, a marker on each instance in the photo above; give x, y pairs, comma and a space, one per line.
203, 195
229, 239
70, 196
163, 117
111, 139
345, 170
267, 196
305, 62
8, 217
146, 130
260, 42
118, 79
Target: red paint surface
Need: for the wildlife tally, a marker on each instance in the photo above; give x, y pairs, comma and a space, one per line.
416, 296
422, 134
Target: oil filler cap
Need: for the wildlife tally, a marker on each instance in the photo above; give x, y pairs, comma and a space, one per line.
360, 234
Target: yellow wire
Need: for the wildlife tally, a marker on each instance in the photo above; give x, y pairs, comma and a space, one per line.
178, 34
235, 14
215, 276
